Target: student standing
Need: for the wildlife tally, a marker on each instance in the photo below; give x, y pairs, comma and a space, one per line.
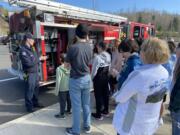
62, 88
100, 71
140, 97
174, 105
79, 56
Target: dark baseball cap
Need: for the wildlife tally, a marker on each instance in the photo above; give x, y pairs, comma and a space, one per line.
28, 36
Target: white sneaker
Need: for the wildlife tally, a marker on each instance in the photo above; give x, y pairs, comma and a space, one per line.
161, 121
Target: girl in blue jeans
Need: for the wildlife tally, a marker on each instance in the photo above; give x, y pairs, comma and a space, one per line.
174, 105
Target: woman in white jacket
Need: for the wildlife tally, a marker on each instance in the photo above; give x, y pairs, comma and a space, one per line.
140, 97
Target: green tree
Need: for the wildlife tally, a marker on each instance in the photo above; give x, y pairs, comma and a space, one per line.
170, 26
3, 13
153, 18
159, 28
140, 18
175, 23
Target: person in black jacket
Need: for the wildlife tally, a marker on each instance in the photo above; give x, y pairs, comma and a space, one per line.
30, 61
174, 105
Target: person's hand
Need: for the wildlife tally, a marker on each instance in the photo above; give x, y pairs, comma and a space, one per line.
42, 58
114, 72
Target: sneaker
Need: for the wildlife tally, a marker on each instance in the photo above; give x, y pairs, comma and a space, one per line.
97, 116
161, 121
87, 130
68, 112
70, 132
39, 106
30, 110
105, 114
60, 116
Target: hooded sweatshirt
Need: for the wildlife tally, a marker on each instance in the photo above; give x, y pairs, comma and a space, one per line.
101, 60
62, 79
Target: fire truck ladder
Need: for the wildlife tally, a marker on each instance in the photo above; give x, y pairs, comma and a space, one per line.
69, 11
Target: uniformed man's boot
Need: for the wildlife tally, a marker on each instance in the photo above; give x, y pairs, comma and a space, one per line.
30, 110
38, 106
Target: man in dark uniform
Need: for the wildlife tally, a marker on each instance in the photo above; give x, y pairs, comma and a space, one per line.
30, 61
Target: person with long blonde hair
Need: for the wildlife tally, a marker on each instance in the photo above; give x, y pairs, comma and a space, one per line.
140, 97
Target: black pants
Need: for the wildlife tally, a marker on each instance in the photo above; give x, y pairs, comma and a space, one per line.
63, 99
32, 90
101, 91
112, 83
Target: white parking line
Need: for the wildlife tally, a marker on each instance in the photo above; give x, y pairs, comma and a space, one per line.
9, 79
4, 69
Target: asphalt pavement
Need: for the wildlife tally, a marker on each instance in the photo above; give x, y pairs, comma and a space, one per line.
5, 61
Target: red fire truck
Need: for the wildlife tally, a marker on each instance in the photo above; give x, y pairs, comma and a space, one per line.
53, 25
138, 31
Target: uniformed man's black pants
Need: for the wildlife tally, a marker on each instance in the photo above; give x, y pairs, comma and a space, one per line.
32, 90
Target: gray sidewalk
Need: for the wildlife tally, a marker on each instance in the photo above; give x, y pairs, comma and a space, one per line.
43, 122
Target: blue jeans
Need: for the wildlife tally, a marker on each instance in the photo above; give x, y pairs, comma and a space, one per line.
175, 123
79, 90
